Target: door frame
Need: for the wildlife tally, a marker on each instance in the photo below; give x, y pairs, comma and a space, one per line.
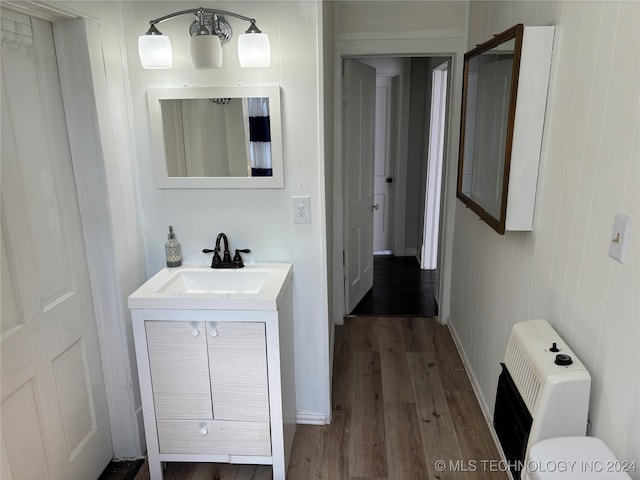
102, 155
454, 48
103, 161
433, 190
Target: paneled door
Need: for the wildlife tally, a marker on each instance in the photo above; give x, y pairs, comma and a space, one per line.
359, 131
53, 405
385, 143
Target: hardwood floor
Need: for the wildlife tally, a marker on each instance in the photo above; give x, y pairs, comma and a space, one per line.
402, 403
400, 287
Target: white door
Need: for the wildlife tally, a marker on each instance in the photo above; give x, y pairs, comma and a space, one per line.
384, 161
53, 405
358, 140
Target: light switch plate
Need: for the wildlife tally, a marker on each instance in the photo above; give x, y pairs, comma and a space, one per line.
300, 210
619, 237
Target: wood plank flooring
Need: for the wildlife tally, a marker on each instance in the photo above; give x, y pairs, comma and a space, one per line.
400, 288
401, 402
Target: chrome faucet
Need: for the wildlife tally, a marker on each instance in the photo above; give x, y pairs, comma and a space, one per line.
225, 261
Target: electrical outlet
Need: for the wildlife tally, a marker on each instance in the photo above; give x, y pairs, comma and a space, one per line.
619, 237
300, 212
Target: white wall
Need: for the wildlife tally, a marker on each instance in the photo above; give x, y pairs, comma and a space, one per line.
259, 219
589, 171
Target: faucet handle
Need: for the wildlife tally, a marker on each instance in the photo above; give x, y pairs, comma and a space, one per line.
237, 259
216, 256
215, 251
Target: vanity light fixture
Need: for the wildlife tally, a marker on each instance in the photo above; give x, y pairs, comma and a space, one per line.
209, 31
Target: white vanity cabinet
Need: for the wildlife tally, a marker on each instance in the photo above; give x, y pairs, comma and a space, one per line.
209, 386
217, 385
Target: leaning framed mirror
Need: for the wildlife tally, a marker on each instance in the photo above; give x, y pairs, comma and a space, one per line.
216, 137
490, 85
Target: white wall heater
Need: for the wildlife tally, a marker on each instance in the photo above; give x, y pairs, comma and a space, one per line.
543, 391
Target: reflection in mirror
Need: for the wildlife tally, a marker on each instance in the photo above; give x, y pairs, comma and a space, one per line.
216, 137
487, 114
202, 138
486, 130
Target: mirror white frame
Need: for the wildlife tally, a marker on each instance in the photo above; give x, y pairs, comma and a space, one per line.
163, 180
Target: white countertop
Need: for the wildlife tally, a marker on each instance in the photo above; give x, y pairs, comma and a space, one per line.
155, 294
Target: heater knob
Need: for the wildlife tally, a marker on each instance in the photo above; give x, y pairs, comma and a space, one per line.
562, 359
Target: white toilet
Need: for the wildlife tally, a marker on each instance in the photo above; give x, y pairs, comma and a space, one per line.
573, 458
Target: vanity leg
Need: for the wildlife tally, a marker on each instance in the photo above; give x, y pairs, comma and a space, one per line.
156, 467
279, 470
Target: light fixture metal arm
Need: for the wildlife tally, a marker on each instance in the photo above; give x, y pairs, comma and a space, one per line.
253, 46
195, 11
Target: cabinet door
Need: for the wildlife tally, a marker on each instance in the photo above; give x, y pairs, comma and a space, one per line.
179, 369
238, 366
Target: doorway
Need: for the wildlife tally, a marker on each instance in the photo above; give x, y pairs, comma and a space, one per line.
411, 114
400, 288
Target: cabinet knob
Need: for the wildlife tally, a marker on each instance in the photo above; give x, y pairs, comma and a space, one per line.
214, 332
195, 332
204, 430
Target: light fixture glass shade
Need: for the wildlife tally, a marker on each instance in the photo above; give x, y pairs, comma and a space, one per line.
206, 51
155, 51
254, 50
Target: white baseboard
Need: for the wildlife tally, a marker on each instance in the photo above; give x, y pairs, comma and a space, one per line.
472, 378
312, 418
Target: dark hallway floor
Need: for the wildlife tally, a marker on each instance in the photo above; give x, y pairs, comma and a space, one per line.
400, 287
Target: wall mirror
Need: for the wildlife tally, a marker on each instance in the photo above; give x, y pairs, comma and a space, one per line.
216, 137
491, 72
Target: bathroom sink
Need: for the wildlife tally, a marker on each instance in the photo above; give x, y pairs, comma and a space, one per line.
217, 282
254, 287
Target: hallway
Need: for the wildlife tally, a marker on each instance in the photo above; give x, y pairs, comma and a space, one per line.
400, 287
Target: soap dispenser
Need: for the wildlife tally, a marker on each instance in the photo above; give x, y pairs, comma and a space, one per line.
173, 249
